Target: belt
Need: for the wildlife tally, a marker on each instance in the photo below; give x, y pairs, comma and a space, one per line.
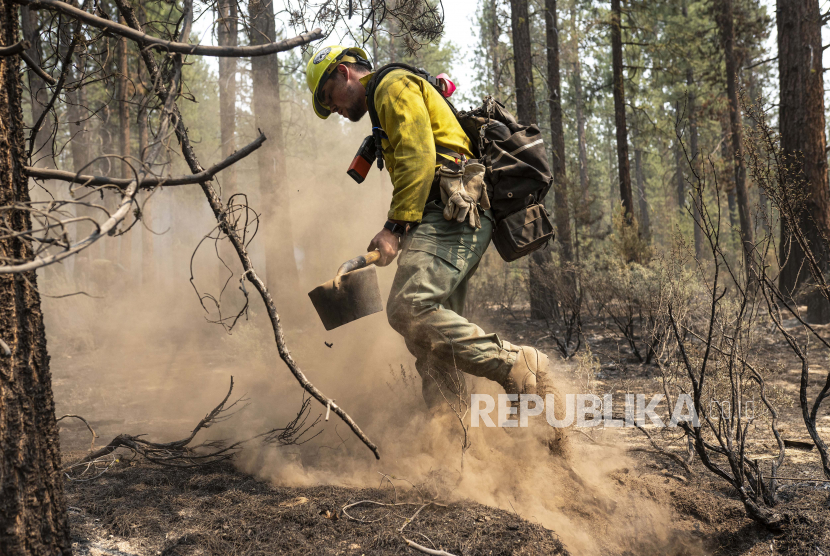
441, 154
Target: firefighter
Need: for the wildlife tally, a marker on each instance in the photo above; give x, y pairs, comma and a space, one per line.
439, 221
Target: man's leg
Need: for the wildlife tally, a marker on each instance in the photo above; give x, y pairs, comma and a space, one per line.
442, 386
433, 268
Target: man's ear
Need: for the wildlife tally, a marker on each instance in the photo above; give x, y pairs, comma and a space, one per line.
343, 70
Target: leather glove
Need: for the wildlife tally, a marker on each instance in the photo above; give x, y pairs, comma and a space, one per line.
458, 203
474, 184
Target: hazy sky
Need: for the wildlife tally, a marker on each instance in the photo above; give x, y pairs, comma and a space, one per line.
460, 29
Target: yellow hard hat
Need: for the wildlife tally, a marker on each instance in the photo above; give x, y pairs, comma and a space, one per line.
322, 65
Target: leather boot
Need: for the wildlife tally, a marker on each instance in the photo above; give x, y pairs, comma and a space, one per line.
522, 376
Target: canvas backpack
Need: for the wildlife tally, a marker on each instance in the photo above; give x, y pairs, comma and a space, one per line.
517, 175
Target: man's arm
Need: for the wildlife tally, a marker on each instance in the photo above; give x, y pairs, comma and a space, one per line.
405, 119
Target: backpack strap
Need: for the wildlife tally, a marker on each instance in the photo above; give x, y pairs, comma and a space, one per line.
371, 87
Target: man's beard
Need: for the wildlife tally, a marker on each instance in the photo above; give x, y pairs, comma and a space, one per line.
357, 109
356, 112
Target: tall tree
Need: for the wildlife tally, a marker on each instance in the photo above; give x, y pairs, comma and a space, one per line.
801, 117
729, 181
280, 265
526, 113
39, 94
727, 31
619, 110
148, 238
680, 171
562, 213
123, 100
227, 34
495, 33
123, 85
639, 177
762, 219
691, 111
522, 62
78, 120
580, 109
32, 505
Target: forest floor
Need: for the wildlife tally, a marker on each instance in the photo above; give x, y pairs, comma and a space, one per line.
136, 508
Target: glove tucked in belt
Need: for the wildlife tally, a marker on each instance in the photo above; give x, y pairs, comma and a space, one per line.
461, 191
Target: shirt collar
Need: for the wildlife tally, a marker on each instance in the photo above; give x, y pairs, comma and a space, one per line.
366, 78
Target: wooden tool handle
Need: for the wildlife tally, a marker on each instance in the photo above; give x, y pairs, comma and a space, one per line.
359, 262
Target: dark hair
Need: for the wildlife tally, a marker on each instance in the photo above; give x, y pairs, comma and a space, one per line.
356, 66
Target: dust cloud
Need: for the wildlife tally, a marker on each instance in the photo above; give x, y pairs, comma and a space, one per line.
141, 357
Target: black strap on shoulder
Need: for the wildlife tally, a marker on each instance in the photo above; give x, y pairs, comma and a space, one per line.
371, 87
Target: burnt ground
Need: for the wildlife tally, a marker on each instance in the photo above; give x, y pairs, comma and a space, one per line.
137, 508
152, 510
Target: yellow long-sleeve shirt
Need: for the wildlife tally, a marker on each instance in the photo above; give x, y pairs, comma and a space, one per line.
415, 118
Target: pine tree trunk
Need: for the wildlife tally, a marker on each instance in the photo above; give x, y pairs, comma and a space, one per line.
693, 155
148, 238
562, 213
526, 114
227, 36
679, 175
729, 181
39, 93
580, 113
645, 221
728, 37
522, 62
78, 123
123, 86
32, 505
619, 111
494, 46
803, 141
762, 220
280, 265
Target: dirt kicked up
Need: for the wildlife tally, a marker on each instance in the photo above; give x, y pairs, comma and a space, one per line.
508, 497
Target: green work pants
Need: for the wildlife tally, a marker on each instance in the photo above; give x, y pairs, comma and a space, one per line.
427, 302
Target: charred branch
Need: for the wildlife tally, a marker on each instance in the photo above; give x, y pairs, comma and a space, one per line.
183, 453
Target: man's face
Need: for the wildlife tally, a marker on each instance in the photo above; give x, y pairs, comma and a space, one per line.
343, 93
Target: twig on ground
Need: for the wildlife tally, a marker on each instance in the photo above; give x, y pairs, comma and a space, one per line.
94, 435
425, 550
407, 521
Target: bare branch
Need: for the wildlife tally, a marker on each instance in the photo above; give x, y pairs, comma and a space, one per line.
149, 183
150, 41
16, 48
37, 69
